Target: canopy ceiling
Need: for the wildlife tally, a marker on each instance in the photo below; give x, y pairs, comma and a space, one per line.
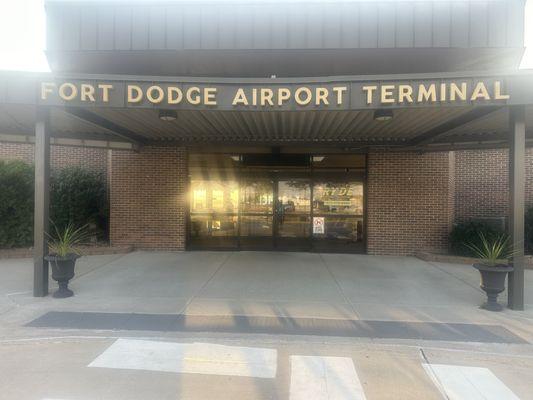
308, 128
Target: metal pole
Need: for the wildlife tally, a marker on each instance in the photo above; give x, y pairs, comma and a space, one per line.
517, 148
42, 202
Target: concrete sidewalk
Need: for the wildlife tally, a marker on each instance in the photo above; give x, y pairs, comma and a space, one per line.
126, 304
266, 284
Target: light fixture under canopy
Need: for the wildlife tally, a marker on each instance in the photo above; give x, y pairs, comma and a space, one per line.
167, 115
383, 114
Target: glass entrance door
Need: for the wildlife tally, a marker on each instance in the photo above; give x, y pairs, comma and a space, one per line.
214, 213
277, 202
293, 214
257, 211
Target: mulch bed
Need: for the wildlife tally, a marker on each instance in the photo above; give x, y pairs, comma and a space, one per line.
448, 258
85, 250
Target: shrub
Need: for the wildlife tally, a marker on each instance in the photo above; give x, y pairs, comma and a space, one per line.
16, 204
78, 198
470, 232
528, 226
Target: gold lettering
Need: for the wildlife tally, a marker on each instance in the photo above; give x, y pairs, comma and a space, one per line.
442, 92
498, 92
150, 94
322, 96
369, 93
308, 96
254, 96
46, 87
87, 92
174, 95
386, 94
480, 91
266, 96
284, 94
193, 95
240, 98
339, 91
105, 91
210, 96
405, 92
427, 94
456, 92
63, 91
139, 94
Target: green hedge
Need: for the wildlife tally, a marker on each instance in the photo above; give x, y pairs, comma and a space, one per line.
529, 230
76, 195
16, 204
468, 232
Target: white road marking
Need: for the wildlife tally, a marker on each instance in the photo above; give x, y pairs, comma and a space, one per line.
324, 378
193, 358
468, 383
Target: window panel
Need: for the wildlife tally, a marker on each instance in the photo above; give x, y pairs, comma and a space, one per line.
338, 198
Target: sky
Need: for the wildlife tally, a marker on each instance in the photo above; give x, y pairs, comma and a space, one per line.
22, 35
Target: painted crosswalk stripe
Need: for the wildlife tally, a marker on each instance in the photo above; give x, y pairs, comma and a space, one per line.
324, 378
194, 358
471, 383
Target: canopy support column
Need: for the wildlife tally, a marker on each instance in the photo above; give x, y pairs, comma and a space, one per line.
517, 150
42, 202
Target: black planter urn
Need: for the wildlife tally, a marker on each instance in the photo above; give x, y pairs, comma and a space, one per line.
493, 283
62, 272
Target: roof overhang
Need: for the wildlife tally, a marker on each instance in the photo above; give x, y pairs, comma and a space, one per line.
431, 111
284, 38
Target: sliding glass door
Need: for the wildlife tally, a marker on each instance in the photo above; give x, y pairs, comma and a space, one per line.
257, 213
214, 213
318, 207
293, 214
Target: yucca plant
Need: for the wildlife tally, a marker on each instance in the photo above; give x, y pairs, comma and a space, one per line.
65, 242
493, 251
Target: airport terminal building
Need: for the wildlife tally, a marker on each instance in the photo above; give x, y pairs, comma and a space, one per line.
343, 126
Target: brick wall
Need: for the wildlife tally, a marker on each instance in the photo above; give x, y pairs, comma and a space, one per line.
409, 202
412, 198
60, 156
148, 198
482, 183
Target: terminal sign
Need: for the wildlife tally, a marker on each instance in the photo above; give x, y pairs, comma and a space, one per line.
433, 92
276, 96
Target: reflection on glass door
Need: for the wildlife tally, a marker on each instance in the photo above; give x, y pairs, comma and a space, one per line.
293, 212
338, 215
270, 212
214, 213
256, 218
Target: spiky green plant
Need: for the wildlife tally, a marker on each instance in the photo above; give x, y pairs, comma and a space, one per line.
65, 241
492, 251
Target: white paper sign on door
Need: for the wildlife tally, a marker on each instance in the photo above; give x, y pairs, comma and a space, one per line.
318, 225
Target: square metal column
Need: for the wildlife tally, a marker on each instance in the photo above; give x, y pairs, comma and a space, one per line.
517, 154
42, 203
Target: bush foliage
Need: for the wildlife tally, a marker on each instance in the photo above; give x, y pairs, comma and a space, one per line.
528, 224
471, 232
77, 196
16, 204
